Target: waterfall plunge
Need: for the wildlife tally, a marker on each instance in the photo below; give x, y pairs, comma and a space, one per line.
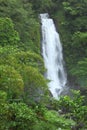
53, 57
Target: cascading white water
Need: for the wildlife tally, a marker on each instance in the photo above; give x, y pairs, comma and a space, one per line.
53, 57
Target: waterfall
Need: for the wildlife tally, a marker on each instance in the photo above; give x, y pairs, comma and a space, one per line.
53, 57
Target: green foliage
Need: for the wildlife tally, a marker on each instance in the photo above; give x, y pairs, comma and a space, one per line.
75, 8
50, 119
20, 116
80, 72
72, 107
71, 20
31, 77
11, 81
75, 109
3, 109
6, 56
13, 56
35, 85
59, 121
24, 95
30, 58
27, 26
8, 36
42, 5
17, 116
3, 96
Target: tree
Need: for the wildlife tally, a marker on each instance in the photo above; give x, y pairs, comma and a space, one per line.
11, 82
74, 107
3, 109
80, 72
30, 58
8, 36
35, 85
25, 22
42, 6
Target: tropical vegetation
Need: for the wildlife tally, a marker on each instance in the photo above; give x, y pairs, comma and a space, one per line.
25, 101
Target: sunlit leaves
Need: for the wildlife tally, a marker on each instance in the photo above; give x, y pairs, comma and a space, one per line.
11, 81
8, 36
30, 58
74, 108
21, 62
23, 116
53, 118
